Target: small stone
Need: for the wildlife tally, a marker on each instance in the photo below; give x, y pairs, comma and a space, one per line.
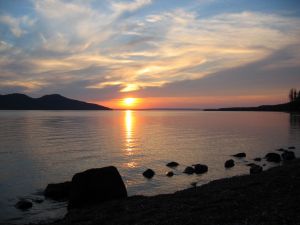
149, 173
170, 174
240, 155
292, 147
229, 163
255, 169
257, 159
273, 157
23, 204
189, 170
172, 164
288, 155
200, 168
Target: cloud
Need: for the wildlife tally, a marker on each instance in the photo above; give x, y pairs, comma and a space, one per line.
15, 24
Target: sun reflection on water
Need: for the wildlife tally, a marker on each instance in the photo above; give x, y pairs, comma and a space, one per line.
129, 132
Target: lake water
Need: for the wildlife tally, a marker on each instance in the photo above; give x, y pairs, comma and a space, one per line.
41, 147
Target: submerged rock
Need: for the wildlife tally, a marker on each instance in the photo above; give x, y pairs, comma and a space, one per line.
292, 147
200, 168
149, 173
59, 191
189, 170
170, 174
250, 164
273, 157
172, 164
23, 204
255, 169
229, 163
240, 155
95, 186
257, 159
288, 155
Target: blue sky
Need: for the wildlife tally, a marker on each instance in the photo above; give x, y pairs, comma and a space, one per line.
170, 53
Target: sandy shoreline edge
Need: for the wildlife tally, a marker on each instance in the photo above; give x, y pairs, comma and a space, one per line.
271, 197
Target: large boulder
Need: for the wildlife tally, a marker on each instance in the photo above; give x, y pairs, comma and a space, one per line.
172, 164
23, 204
288, 155
273, 157
59, 191
200, 168
240, 155
255, 169
148, 173
229, 163
95, 186
189, 170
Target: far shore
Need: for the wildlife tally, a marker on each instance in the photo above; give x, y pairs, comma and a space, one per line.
271, 197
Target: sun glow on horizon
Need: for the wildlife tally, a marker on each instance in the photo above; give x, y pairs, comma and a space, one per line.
129, 102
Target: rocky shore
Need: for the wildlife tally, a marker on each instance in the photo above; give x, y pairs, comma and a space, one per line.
270, 197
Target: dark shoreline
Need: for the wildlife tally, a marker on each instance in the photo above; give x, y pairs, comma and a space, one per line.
271, 197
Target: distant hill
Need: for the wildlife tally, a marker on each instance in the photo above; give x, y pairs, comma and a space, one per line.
47, 102
293, 106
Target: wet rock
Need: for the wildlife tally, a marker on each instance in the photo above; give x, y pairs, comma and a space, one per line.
257, 159
194, 184
149, 173
255, 169
229, 163
23, 204
292, 147
250, 164
200, 168
240, 155
189, 170
280, 150
273, 157
95, 186
59, 191
172, 164
288, 155
170, 174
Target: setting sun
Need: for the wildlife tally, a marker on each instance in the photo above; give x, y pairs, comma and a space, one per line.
129, 102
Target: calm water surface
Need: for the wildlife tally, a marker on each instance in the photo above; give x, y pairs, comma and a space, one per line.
41, 147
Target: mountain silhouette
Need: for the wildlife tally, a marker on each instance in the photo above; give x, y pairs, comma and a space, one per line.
48, 102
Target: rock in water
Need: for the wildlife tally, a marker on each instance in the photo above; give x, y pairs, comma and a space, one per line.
229, 163
288, 155
172, 164
292, 147
255, 169
95, 186
273, 157
200, 168
23, 204
257, 159
189, 170
170, 174
58, 191
240, 155
149, 173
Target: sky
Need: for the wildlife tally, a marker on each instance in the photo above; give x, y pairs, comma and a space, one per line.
165, 53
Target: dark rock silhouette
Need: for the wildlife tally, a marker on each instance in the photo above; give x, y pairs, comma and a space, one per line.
172, 164
47, 102
170, 174
229, 163
250, 164
200, 168
59, 191
23, 204
240, 155
292, 147
273, 157
189, 170
149, 173
258, 159
280, 150
288, 155
255, 169
95, 186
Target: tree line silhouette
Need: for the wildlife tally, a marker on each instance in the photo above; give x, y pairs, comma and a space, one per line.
294, 95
